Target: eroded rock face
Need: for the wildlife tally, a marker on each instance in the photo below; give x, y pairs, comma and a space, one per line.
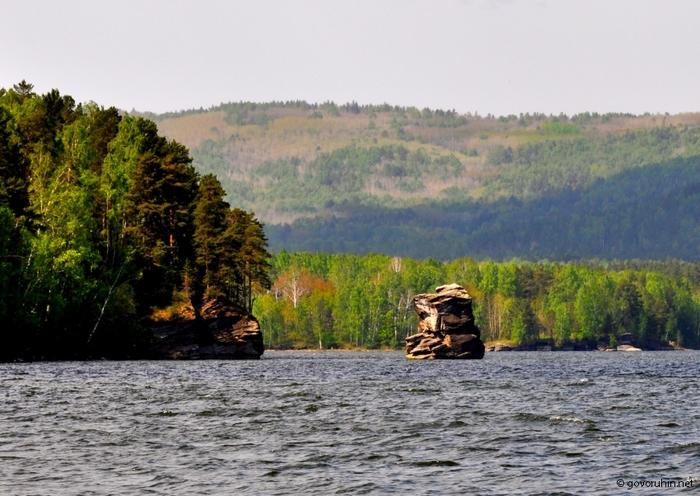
446, 327
225, 332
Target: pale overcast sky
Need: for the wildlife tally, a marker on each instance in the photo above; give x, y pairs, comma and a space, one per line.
497, 56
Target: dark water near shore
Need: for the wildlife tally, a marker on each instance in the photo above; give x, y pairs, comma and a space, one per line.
351, 423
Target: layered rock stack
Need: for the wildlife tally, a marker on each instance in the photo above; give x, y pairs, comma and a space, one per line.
225, 332
446, 326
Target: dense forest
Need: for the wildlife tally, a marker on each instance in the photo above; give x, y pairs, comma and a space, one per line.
432, 183
345, 301
101, 222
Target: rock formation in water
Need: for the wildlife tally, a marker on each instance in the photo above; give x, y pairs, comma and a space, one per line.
446, 326
225, 332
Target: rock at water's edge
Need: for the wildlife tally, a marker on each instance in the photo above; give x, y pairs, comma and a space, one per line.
628, 347
446, 327
225, 332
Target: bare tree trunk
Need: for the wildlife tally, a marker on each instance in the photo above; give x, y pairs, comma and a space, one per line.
104, 305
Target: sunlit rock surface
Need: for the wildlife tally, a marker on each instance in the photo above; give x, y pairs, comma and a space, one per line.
446, 327
225, 332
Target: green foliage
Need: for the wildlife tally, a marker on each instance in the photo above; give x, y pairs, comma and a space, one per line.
244, 114
500, 154
590, 308
537, 169
210, 215
98, 224
247, 260
647, 212
519, 323
435, 183
101, 218
556, 127
13, 167
343, 175
231, 258
323, 301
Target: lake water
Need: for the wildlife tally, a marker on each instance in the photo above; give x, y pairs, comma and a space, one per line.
352, 423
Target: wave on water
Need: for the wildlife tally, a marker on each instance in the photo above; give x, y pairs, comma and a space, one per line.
349, 423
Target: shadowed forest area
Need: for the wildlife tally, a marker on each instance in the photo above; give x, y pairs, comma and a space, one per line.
647, 212
102, 221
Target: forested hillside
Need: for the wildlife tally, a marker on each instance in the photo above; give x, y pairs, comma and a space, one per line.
345, 301
102, 221
412, 182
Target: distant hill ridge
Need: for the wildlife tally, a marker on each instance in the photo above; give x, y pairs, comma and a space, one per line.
442, 184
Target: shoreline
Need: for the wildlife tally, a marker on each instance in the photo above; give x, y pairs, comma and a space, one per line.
339, 350
488, 350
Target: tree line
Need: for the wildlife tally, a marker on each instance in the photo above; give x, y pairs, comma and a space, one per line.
101, 221
346, 301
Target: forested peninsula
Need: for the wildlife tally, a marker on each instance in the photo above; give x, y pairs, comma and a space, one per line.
104, 224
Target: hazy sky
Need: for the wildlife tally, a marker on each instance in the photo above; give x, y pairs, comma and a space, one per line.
498, 56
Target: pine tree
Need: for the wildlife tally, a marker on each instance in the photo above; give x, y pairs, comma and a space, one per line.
210, 218
254, 257
231, 257
13, 169
160, 217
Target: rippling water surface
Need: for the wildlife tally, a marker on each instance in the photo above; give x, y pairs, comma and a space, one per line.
351, 423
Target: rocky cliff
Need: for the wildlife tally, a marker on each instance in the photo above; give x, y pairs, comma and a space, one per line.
225, 332
446, 327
